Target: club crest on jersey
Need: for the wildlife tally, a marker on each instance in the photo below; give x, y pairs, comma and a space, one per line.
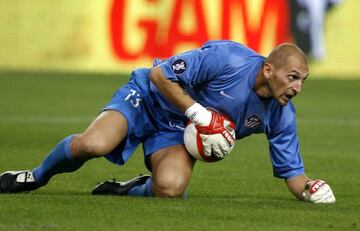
178, 66
252, 122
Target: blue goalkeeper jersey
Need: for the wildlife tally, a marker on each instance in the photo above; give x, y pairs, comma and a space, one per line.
221, 75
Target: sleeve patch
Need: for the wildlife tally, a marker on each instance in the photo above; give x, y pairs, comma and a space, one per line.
179, 66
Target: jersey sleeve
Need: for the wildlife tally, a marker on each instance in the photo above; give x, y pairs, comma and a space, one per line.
284, 151
193, 67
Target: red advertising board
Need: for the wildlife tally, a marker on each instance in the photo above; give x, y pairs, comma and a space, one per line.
162, 37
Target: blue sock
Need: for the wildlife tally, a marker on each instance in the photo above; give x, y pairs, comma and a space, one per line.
142, 190
59, 160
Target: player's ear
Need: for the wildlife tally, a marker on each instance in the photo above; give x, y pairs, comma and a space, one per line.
268, 70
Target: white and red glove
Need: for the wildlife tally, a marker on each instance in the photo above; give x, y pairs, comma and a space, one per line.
216, 131
318, 191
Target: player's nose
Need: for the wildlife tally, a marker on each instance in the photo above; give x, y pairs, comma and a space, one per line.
297, 87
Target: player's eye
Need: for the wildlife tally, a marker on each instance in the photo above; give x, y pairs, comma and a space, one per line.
293, 77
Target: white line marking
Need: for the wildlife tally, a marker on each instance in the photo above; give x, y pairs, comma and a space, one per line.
46, 119
353, 122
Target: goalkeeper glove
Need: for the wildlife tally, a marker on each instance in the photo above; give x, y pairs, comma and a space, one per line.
216, 131
318, 191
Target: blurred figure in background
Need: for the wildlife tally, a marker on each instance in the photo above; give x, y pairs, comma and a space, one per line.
307, 25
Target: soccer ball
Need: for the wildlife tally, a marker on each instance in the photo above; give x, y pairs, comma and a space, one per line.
193, 144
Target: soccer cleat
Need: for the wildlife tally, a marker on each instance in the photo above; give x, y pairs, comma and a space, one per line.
113, 187
17, 181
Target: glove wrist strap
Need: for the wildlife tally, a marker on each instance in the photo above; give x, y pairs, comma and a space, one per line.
198, 114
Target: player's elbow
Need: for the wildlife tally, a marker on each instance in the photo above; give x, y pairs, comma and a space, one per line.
156, 75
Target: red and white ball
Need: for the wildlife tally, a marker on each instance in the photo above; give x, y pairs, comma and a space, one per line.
193, 144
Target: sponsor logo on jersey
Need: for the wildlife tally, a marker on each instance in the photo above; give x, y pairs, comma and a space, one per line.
226, 95
176, 125
178, 66
252, 122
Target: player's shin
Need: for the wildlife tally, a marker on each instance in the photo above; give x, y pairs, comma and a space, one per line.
59, 160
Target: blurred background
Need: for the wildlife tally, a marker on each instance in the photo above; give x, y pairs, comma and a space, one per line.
119, 35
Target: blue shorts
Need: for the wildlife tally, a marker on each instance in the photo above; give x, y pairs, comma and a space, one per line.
146, 122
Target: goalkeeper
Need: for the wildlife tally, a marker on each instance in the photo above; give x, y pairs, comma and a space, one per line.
156, 103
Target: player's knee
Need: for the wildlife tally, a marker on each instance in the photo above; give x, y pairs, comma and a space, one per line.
88, 147
168, 186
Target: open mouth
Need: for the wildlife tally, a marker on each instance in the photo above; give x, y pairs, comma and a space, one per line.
289, 97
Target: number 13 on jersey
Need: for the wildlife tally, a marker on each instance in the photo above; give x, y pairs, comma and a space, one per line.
134, 98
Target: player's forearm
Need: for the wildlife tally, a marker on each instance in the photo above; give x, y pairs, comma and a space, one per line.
172, 91
296, 185
176, 95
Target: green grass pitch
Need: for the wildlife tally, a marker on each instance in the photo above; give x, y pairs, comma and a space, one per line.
238, 193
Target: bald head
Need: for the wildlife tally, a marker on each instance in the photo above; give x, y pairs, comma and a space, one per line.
283, 73
281, 54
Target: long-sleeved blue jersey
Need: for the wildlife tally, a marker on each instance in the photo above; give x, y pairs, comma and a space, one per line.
220, 75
